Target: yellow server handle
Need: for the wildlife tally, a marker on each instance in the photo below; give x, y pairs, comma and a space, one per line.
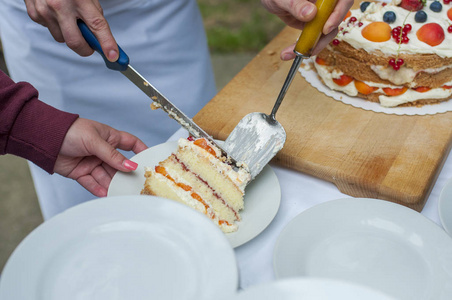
313, 30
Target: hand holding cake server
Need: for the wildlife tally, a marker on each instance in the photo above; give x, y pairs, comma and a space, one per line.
258, 137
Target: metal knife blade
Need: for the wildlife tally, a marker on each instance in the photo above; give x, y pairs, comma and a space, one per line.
168, 107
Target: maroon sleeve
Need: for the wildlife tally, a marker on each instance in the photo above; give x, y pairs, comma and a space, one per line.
28, 127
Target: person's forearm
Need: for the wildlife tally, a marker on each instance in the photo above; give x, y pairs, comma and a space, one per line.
28, 127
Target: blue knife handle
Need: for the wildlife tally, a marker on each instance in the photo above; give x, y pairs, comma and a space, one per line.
119, 65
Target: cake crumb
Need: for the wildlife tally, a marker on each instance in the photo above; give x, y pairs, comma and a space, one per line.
155, 105
271, 52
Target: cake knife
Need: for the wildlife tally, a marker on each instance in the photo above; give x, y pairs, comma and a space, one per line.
122, 65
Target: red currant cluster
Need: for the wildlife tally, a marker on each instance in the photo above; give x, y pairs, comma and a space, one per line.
396, 64
352, 21
447, 1
449, 29
400, 34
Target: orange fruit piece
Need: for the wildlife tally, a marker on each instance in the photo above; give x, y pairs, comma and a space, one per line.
431, 34
343, 80
184, 186
377, 32
320, 61
422, 89
349, 13
395, 92
364, 88
203, 144
161, 170
198, 198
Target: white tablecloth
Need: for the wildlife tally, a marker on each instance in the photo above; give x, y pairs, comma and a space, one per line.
298, 193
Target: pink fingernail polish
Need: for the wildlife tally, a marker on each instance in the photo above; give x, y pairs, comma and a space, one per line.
130, 165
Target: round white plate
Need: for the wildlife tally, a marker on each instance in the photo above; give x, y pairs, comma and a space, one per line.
128, 247
445, 207
310, 289
262, 196
374, 243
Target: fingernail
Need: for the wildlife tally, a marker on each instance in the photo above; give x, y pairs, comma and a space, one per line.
329, 29
113, 55
130, 165
307, 10
287, 56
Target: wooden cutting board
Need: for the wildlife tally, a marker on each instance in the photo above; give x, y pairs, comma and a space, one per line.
365, 154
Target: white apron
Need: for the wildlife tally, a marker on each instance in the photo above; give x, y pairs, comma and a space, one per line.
165, 42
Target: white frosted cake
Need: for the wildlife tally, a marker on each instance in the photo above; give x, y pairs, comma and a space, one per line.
199, 176
396, 54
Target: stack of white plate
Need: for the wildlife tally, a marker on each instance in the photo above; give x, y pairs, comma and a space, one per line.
128, 247
373, 243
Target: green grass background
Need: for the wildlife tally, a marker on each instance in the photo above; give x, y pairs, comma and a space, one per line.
238, 25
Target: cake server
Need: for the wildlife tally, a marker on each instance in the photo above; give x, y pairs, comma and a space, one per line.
258, 137
122, 65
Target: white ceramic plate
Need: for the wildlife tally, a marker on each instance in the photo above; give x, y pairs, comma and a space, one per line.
374, 243
310, 289
445, 207
128, 247
262, 196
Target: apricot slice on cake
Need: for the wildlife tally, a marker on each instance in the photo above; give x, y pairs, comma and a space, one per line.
343, 80
364, 88
395, 92
431, 34
377, 32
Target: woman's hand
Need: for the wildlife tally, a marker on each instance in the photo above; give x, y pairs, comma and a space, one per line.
89, 156
60, 17
296, 13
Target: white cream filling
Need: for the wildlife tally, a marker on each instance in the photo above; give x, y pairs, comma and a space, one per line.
387, 101
401, 76
186, 197
328, 77
240, 178
411, 96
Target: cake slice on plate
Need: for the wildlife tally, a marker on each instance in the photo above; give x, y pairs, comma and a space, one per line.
198, 175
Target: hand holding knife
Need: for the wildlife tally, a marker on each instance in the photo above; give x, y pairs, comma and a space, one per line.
122, 65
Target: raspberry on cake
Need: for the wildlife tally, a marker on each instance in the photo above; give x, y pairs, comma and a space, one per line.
199, 176
396, 54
